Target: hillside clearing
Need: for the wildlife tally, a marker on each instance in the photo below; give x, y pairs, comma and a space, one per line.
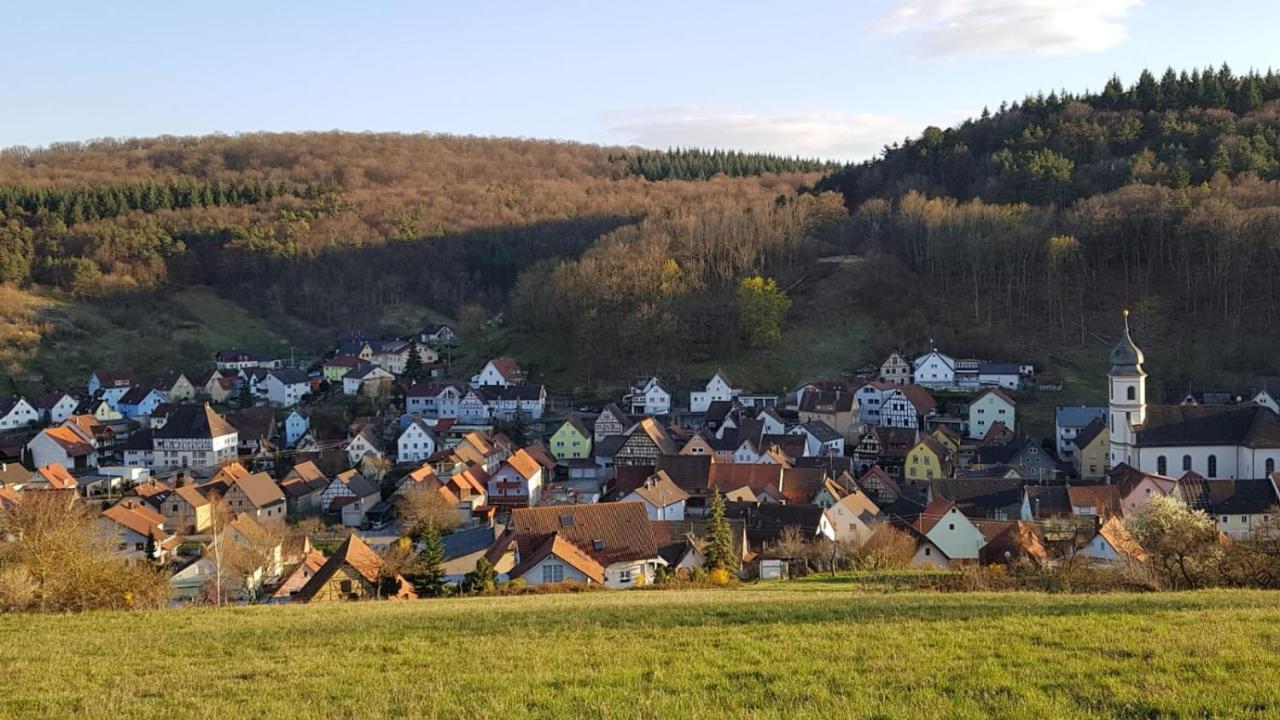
810, 649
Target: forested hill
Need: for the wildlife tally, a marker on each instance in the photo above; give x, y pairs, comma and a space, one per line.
1034, 225
1177, 130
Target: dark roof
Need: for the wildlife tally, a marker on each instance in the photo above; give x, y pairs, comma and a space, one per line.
194, 421
834, 465
801, 485
527, 391
135, 395
289, 376
995, 368
822, 431
717, 411
609, 446
766, 521
986, 494
1002, 454
253, 423
817, 401
138, 440
690, 472
1095, 428
1048, 500
1126, 358
608, 532
1222, 496
1248, 425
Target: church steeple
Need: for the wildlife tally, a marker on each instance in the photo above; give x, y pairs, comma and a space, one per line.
1127, 393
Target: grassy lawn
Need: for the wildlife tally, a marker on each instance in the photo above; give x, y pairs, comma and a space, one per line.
805, 649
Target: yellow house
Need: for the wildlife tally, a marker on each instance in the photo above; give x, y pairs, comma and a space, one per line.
927, 460
1093, 446
570, 441
947, 438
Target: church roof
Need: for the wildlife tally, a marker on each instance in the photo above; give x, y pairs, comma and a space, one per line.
1126, 358
1198, 425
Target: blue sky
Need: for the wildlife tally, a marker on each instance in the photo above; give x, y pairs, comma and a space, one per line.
818, 77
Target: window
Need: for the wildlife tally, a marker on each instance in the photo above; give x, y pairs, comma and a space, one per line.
624, 576
1186, 463
928, 552
1225, 518
951, 526
552, 573
345, 586
1271, 465
1244, 519
1162, 467
1133, 393
1213, 466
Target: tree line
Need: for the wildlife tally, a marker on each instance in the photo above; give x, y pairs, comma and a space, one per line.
698, 164
1179, 130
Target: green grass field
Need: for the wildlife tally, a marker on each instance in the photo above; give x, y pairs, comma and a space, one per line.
814, 648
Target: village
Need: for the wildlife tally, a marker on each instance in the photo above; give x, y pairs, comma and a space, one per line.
228, 481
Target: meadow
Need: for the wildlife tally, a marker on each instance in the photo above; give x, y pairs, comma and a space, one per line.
817, 648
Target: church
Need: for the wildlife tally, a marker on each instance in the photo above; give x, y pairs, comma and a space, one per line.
1219, 441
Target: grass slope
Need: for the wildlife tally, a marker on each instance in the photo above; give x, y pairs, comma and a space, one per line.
806, 649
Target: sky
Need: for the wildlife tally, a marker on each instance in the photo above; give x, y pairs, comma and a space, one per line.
817, 78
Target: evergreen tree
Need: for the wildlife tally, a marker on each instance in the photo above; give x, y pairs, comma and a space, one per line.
484, 578
150, 549
413, 369
428, 577
718, 554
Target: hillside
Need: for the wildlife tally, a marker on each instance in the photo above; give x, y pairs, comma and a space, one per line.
802, 649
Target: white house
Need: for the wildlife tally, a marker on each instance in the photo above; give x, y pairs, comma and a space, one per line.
364, 443
416, 443
854, 517
525, 399
906, 406
56, 407
436, 334
649, 397
950, 530
820, 439
662, 498
502, 371
350, 495
295, 426
934, 370
435, 400
64, 446
610, 544
16, 412
286, 388
1004, 375
717, 388
140, 401
991, 406
518, 483
368, 376
870, 399
194, 437
475, 407
109, 384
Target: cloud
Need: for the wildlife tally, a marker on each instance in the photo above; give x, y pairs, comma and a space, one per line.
958, 28
829, 136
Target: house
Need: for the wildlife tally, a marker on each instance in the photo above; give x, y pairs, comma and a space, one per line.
435, 400
949, 530
256, 495
140, 401
838, 410
186, 509
1102, 501
646, 441
648, 396
109, 385
1239, 506
1012, 540
717, 388
138, 532
139, 450
64, 446
766, 522
335, 368
1092, 449
215, 386
294, 578
907, 406
416, 443
296, 424
353, 572
16, 412
820, 438
350, 496
52, 477
992, 405
1001, 375
611, 544
285, 387
1112, 543
1068, 422
364, 443
1029, 459
570, 441
303, 489
854, 517
55, 407
436, 334
526, 400
1137, 488
886, 447
369, 380
948, 438
927, 460
502, 371
869, 399
934, 370
662, 498
610, 421
895, 370
518, 483
234, 359
194, 437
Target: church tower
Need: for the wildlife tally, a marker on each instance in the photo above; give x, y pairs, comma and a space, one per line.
1128, 398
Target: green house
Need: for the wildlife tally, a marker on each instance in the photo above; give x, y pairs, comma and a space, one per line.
571, 441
